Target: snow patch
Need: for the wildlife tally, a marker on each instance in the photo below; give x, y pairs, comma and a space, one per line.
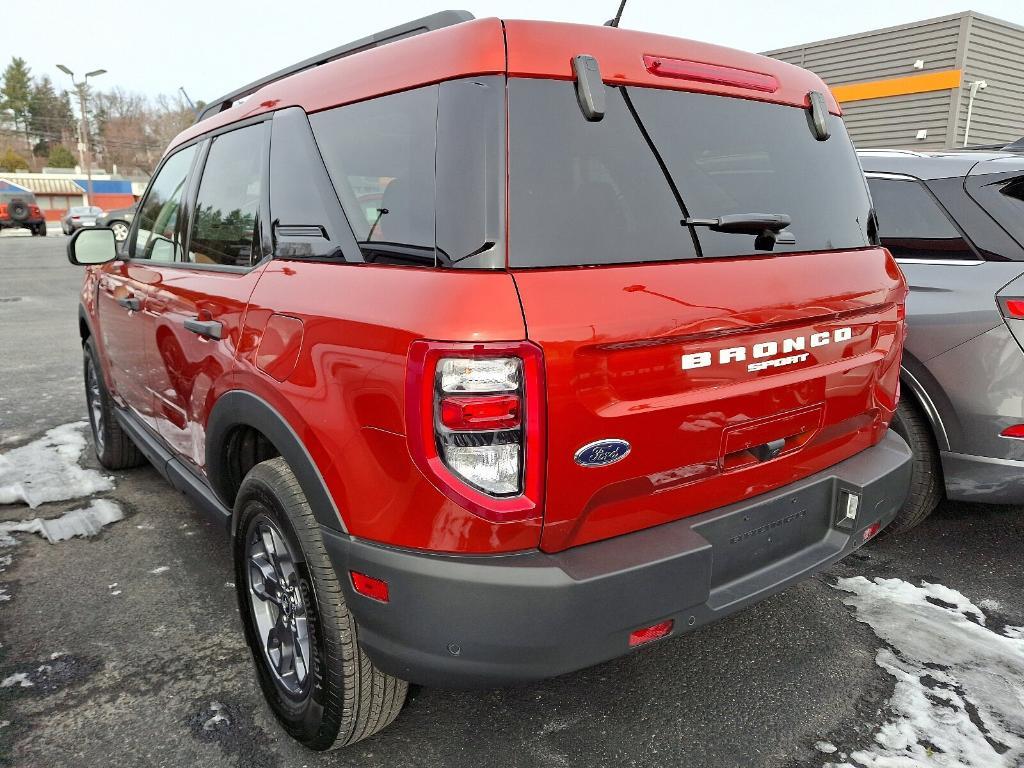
87, 521
217, 718
959, 695
160, 569
826, 746
18, 678
47, 469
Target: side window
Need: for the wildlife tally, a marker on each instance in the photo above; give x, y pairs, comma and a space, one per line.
380, 157
1002, 195
158, 236
912, 225
227, 206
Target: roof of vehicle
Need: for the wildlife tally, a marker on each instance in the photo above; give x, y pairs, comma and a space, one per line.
938, 165
534, 49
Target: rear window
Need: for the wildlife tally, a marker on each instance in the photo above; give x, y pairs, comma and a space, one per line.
594, 193
1002, 195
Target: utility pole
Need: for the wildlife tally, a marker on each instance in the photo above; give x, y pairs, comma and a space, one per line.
84, 154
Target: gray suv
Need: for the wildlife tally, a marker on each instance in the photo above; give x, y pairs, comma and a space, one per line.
955, 223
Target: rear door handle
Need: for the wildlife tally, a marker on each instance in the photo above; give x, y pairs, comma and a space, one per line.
130, 303
210, 329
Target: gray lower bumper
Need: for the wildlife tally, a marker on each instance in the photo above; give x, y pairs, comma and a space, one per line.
490, 620
983, 479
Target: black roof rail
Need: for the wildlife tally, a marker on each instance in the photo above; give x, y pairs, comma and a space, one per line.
419, 26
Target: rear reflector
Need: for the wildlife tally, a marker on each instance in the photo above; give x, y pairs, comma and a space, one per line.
871, 531
650, 634
681, 69
1017, 431
375, 589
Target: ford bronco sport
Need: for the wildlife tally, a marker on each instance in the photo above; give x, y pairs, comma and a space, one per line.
503, 348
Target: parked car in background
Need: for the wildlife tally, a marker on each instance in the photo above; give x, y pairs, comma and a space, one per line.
601, 365
118, 220
19, 210
955, 223
78, 217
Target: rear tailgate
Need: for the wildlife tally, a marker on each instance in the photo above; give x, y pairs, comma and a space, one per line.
799, 354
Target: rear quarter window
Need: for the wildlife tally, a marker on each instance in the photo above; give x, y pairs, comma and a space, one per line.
912, 225
1002, 195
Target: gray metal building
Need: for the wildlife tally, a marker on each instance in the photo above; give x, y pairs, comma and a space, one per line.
911, 86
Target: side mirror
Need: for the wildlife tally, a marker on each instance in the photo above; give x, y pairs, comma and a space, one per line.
92, 246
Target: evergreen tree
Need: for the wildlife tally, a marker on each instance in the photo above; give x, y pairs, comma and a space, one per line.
61, 157
16, 92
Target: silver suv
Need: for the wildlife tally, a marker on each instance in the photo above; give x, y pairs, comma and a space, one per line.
955, 223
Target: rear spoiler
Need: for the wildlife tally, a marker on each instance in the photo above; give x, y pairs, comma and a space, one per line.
438, 20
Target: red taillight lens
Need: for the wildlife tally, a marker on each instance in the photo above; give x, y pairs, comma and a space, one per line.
682, 69
1015, 308
36, 212
1017, 431
871, 531
375, 589
476, 424
480, 413
650, 634
3, 211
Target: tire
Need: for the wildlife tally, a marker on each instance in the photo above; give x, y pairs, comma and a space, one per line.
120, 230
114, 449
926, 485
39, 230
335, 696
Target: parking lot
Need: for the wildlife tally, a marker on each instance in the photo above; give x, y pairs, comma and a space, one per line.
125, 648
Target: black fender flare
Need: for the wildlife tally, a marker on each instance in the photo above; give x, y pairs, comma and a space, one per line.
239, 408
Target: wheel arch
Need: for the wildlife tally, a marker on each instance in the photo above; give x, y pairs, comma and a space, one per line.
235, 417
919, 384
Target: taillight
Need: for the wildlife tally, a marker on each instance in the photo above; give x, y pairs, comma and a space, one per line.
36, 212
3, 211
476, 424
1016, 431
1013, 308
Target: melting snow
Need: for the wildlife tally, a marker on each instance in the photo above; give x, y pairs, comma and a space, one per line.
18, 678
959, 696
77, 522
825, 746
161, 569
217, 718
47, 469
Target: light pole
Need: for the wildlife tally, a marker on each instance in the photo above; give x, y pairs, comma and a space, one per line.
83, 146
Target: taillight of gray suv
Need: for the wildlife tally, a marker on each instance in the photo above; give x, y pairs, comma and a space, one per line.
955, 223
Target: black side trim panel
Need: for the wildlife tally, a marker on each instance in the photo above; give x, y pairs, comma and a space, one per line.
173, 470
239, 408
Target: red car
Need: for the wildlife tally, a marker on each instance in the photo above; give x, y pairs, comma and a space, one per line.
613, 354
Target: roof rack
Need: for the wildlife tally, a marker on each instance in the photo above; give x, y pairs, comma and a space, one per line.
419, 26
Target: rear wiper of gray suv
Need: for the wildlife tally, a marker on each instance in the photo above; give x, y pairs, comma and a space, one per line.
766, 227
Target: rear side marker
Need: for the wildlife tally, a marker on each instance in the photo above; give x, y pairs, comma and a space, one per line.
375, 589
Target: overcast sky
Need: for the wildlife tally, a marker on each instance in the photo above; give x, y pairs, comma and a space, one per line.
212, 47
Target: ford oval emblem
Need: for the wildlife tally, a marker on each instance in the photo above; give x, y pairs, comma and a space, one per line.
601, 453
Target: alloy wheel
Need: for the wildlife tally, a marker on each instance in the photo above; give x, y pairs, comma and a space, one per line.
95, 402
278, 607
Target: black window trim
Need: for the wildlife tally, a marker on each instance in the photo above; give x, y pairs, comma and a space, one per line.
192, 191
905, 177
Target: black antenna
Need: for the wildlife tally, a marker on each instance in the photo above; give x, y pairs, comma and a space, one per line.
618, 16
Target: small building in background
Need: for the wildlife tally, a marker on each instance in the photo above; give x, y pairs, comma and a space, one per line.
931, 85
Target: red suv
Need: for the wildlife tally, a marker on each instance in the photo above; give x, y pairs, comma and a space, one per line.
503, 348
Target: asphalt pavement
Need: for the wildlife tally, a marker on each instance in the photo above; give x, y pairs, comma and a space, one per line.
133, 643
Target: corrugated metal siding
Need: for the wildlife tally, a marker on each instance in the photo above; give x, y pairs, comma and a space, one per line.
880, 55
994, 55
893, 122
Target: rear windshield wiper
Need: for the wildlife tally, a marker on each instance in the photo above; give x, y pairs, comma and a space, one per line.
766, 227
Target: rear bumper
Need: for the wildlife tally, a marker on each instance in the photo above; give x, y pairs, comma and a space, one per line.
456, 621
983, 479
